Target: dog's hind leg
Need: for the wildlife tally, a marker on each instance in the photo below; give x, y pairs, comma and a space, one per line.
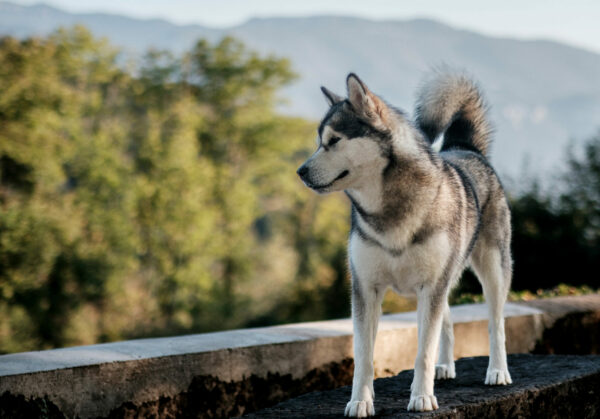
366, 309
445, 366
493, 267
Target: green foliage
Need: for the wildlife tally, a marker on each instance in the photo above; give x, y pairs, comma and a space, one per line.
582, 193
561, 290
157, 204
64, 225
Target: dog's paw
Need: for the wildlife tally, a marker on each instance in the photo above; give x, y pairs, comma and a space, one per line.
360, 409
496, 377
422, 403
445, 371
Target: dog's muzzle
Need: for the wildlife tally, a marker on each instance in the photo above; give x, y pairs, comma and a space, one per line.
303, 173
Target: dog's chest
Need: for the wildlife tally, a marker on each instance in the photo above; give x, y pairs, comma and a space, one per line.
404, 269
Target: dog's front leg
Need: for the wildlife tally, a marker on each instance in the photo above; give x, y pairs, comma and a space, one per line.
429, 318
366, 309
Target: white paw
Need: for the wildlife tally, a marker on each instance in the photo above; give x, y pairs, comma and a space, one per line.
359, 409
422, 403
497, 377
445, 371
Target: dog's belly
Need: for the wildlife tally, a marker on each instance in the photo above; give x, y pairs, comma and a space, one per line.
405, 271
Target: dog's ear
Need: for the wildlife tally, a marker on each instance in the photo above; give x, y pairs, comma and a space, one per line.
364, 102
331, 97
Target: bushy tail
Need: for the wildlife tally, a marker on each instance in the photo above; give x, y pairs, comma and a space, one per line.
452, 104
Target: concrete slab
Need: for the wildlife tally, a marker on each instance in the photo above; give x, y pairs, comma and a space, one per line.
31, 362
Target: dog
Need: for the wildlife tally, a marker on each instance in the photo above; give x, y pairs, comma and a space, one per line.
423, 209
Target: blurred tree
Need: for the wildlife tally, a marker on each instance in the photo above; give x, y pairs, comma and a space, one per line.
582, 191
156, 204
240, 133
63, 227
546, 245
557, 238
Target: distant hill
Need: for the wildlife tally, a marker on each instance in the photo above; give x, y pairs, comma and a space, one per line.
542, 93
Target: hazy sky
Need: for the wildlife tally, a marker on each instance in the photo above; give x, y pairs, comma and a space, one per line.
576, 22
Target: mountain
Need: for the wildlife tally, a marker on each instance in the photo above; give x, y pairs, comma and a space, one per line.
132, 34
543, 94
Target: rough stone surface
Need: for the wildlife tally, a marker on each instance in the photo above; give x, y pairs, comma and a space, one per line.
209, 397
18, 407
570, 325
548, 386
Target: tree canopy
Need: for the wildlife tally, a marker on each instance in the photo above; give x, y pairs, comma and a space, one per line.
155, 201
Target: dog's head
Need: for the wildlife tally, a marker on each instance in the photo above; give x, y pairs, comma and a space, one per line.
352, 140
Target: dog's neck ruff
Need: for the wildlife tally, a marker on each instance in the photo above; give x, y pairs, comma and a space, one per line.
391, 211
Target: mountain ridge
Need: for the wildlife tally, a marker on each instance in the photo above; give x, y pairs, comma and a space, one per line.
543, 93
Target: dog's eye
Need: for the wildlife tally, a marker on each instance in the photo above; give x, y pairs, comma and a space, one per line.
333, 140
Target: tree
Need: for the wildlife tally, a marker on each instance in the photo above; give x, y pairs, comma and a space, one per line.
556, 238
160, 203
63, 239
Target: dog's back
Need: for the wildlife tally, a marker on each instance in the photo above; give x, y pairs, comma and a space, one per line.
453, 106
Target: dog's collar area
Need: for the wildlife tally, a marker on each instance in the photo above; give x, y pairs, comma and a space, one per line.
367, 238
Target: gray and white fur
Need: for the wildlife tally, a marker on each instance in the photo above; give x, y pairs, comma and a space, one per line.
419, 218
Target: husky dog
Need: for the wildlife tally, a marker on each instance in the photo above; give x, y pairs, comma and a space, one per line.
419, 218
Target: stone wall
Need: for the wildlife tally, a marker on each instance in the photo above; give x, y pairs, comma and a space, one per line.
230, 373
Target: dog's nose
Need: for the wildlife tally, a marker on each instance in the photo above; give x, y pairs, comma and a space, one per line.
302, 171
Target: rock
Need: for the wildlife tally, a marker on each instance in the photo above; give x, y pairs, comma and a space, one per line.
548, 386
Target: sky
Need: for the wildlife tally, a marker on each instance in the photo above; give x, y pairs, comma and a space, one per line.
575, 22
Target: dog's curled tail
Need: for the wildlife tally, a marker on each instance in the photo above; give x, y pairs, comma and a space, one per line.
453, 104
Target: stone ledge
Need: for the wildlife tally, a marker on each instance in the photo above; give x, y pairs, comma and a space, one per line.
549, 386
570, 324
233, 372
